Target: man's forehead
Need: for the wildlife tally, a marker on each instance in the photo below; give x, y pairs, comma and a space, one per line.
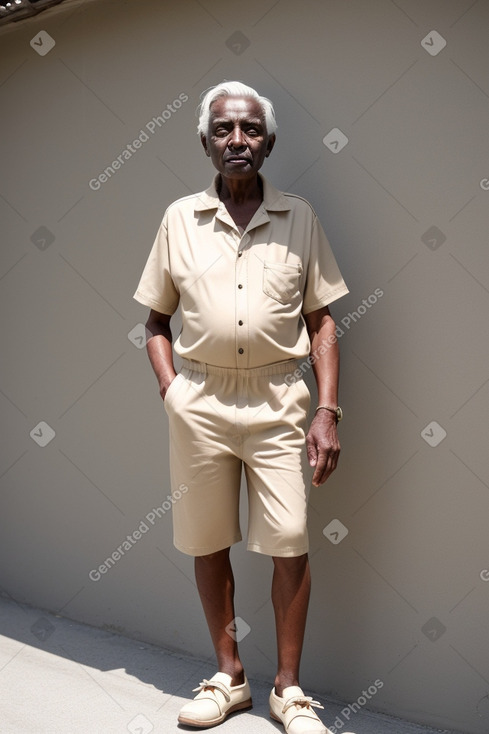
236, 107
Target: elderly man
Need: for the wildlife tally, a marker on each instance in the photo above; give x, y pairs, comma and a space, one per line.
253, 273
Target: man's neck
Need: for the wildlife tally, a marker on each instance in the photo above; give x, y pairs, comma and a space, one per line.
240, 192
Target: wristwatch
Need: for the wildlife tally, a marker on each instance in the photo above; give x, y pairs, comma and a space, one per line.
337, 411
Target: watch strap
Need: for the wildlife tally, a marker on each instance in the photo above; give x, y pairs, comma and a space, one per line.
338, 413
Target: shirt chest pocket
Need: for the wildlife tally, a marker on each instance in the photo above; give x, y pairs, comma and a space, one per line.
281, 280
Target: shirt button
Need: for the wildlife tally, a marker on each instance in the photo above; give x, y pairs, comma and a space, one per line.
240, 322
241, 350
240, 253
239, 285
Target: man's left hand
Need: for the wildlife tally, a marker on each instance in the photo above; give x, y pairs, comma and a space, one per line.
323, 446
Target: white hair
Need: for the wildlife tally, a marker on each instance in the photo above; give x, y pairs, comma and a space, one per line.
234, 89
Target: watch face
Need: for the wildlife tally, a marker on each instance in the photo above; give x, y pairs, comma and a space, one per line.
339, 413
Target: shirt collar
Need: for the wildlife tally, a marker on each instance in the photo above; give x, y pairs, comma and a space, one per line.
273, 199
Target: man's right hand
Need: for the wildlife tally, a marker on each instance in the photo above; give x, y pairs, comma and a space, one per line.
164, 386
159, 348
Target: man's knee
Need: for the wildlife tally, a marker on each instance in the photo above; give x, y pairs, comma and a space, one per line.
289, 563
213, 558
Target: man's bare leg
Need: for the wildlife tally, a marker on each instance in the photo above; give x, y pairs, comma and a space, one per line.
291, 587
215, 582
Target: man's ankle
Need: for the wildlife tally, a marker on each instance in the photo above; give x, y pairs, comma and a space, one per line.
284, 682
236, 673
238, 679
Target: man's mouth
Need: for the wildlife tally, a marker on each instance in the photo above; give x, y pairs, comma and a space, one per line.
237, 159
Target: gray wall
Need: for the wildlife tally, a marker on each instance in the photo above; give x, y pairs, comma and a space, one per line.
403, 598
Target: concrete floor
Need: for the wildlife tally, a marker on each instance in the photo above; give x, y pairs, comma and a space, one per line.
60, 677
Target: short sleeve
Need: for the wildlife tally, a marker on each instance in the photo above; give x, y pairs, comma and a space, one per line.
324, 282
156, 288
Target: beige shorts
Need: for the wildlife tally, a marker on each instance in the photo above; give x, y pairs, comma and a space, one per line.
220, 421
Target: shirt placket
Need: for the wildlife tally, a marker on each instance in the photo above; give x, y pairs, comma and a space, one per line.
242, 302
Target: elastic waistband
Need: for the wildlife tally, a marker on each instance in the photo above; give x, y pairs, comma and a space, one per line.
277, 368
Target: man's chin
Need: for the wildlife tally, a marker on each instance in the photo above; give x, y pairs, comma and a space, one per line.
233, 170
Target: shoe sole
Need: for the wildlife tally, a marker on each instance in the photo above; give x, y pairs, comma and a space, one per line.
276, 718
214, 722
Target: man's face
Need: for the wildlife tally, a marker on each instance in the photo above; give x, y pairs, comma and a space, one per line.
237, 141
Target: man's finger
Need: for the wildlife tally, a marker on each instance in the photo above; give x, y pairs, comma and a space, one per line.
320, 467
325, 467
312, 452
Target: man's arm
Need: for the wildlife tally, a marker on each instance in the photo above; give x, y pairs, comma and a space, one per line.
159, 348
323, 446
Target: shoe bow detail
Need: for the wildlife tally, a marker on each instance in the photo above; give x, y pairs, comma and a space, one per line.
303, 701
206, 685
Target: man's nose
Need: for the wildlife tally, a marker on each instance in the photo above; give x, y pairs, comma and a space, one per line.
237, 138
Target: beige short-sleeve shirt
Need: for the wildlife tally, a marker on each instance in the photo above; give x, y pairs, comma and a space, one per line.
242, 294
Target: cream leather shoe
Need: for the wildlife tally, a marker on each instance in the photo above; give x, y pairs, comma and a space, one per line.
217, 699
294, 710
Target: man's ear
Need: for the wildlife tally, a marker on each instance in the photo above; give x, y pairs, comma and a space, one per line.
270, 144
203, 140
